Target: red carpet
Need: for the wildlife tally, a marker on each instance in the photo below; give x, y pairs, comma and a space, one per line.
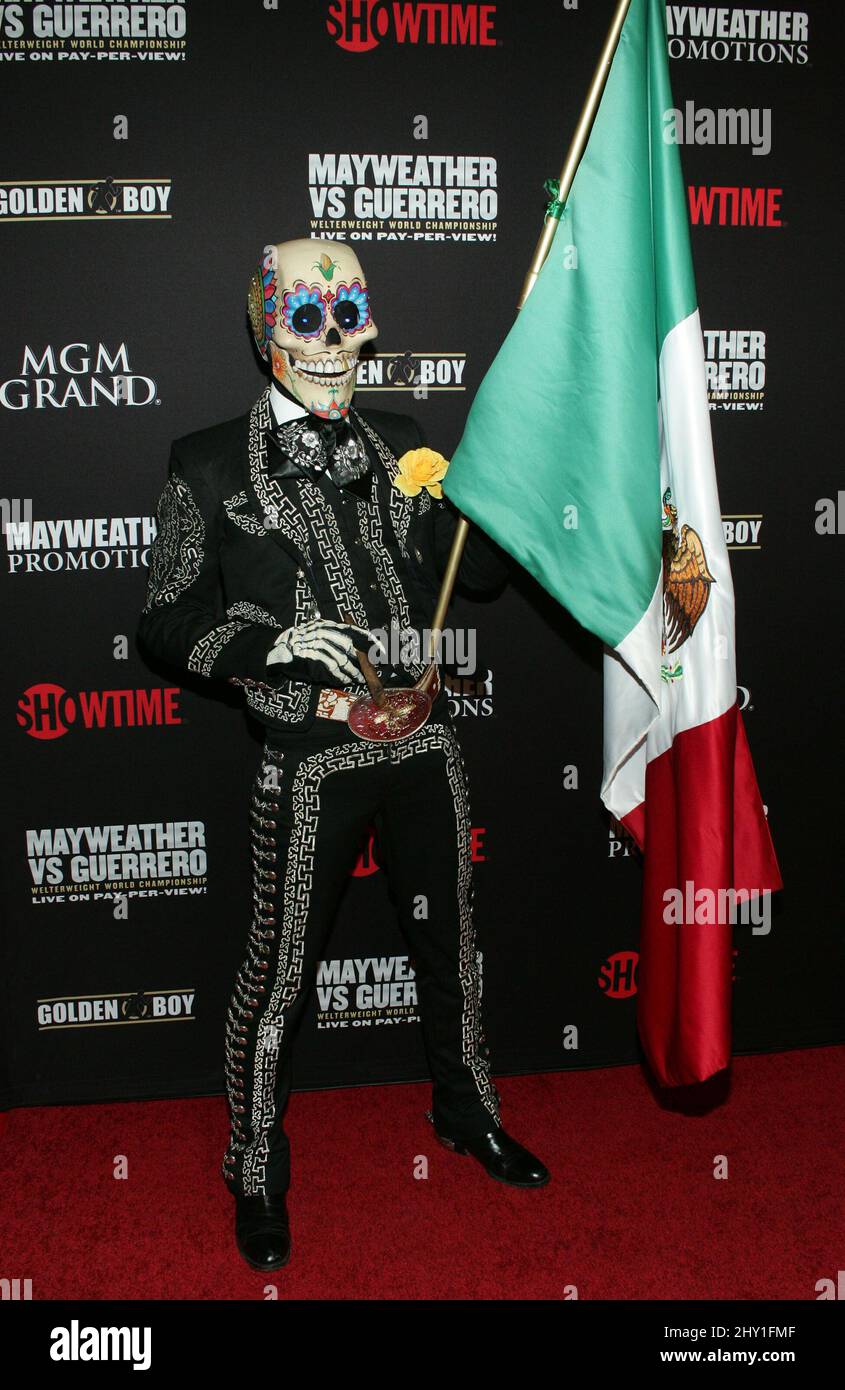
632, 1211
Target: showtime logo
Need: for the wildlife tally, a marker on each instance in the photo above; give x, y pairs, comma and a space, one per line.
716, 206
358, 26
367, 863
617, 978
47, 711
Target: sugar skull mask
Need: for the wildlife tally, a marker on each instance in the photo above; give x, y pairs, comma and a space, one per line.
309, 309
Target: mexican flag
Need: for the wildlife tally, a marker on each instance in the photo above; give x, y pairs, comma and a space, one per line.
587, 455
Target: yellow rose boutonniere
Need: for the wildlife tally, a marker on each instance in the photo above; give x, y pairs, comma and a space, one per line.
418, 469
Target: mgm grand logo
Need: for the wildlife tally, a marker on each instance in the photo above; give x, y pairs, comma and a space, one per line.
414, 372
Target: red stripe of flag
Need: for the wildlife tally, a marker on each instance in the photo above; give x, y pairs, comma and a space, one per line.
702, 822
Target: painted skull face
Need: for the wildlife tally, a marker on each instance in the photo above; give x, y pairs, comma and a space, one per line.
309, 308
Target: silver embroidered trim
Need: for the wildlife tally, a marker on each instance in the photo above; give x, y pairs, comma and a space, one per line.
333, 552
279, 512
253, 613
247, 521
391, 585
298, 885
176, 555
205, 652
401, 507
287, 702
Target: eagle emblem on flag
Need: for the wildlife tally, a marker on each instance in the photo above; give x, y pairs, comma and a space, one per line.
686, 578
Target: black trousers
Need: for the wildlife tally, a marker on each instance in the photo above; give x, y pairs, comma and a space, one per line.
312, 801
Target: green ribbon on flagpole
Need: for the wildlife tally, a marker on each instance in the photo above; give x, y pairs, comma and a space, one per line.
552, 188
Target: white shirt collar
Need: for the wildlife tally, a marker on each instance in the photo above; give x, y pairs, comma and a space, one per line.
283, 408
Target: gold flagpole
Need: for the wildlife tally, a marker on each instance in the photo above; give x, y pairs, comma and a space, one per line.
567, 174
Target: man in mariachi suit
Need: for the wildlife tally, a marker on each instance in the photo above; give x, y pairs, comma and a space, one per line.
285, 538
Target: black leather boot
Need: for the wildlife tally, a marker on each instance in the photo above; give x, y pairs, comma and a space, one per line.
502, 1157
262, 1231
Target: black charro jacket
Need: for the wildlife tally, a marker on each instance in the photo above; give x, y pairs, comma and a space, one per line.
240, 554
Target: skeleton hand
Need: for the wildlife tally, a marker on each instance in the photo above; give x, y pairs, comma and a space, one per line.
323, 650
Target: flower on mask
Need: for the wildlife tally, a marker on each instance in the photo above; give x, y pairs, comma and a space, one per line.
303, 311
351, 307
418, 469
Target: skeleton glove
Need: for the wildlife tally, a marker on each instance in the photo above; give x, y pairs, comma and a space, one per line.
321, 651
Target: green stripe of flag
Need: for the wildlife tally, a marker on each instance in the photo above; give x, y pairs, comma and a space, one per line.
559, 460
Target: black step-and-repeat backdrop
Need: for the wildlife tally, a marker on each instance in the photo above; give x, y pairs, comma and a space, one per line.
151, 150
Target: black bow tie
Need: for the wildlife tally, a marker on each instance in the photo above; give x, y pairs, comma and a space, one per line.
310, 445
